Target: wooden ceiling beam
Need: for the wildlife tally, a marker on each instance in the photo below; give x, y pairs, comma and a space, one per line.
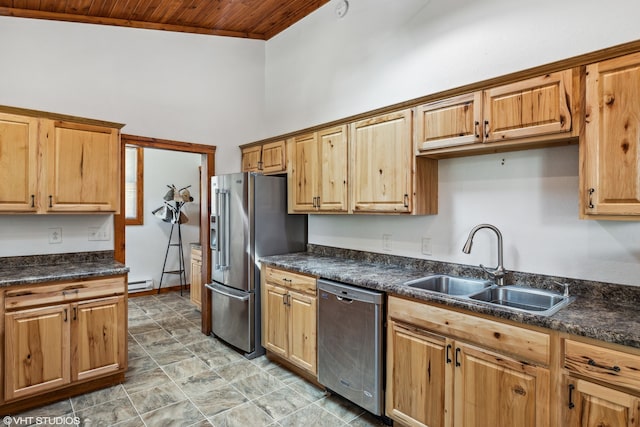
37, 14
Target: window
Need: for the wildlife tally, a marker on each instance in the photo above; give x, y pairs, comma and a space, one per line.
133, 185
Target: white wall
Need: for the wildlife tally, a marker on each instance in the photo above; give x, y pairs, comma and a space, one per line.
387, 51
185, 87
147, 244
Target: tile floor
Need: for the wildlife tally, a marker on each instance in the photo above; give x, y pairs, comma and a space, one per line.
179, 377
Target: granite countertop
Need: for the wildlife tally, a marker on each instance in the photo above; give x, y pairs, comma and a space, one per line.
58, 267
606, 312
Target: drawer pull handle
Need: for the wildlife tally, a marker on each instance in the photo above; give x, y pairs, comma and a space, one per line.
571, 404
448, 357
613, 368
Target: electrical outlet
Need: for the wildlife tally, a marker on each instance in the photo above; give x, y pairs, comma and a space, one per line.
98, 233
386, 242
55, 235
426, 246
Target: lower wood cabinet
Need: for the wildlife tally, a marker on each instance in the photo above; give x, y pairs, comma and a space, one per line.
601, 386
289, 313
195, 288
62, 334
436, 377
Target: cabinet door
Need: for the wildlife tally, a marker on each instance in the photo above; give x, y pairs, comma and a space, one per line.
381, 158
332, 193
302, 330
611, 175
592, 405
252, 159
99, 333
19, 162
418, 378
533, 107
195, 289
304, 173
274, 318
37, 350
83, 172
496, 391
273, 157
450, 122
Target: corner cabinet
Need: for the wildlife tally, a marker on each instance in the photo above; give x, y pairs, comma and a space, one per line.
268, 158
318, 178
531, 112
446, 368
609, 151
385, 175
64, 333
289, 313
49, 165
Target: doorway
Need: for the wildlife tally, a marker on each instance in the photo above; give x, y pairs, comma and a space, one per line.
207, 164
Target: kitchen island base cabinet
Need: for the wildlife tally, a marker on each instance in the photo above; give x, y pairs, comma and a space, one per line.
436, 378
61, 337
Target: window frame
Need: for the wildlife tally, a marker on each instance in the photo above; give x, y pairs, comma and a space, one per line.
139, 218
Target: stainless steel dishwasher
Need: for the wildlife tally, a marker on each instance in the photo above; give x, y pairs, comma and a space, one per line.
350, 334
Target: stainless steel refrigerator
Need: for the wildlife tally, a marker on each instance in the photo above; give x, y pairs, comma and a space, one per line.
248, 220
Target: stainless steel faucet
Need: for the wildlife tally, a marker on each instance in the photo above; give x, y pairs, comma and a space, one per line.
498, 272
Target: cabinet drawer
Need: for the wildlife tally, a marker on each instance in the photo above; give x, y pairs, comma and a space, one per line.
604, 364
526, 343
291, 280
62, 292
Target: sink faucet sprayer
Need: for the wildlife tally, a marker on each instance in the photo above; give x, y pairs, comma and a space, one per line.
499, 272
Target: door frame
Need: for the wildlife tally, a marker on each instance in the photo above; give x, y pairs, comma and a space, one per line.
208, 154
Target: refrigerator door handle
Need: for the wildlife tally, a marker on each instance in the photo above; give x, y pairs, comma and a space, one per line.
221, 291
225, 231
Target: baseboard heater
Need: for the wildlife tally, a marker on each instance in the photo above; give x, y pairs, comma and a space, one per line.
140, 285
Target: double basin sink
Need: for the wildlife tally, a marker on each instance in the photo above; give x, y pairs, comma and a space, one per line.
530, 300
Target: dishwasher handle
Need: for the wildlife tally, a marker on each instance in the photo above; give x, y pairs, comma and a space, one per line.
344, 300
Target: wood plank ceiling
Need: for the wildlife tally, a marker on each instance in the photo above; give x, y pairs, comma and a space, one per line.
256, 19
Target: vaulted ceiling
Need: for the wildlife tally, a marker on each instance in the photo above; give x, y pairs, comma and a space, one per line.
256, 19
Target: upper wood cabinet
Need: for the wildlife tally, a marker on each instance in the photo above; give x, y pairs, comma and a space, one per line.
385, 175
609, 168
252, 158
318, 175
532, 111
52, 165
19, 163
83, 168
267, 158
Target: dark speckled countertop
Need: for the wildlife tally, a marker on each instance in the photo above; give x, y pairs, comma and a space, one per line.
603, 311
25, 270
